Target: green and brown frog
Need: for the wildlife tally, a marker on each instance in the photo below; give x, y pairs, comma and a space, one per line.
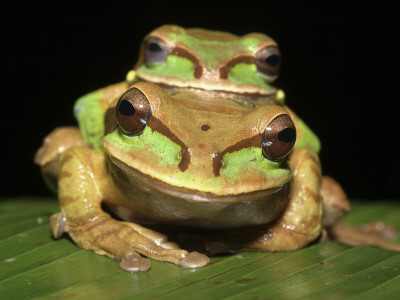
195, 138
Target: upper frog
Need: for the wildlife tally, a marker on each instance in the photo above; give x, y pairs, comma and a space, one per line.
209, 60
212, 64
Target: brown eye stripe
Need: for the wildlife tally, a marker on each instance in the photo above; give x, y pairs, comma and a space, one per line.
224, 70
156, 125
254, 141
179, 51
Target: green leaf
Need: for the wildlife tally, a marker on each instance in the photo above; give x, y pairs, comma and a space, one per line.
34, 265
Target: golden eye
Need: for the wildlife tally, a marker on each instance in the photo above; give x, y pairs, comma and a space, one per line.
133, 111
268, 60
156, 50
279, 138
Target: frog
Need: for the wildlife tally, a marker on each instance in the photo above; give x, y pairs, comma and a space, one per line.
196, 138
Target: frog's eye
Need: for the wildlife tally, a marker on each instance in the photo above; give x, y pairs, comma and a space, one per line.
278, 138
133, 111
268, 60
156, 50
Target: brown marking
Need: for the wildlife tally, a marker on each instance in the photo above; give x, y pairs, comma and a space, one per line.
254, 141
224, 70
65, 174
65, 200
310, 193
156, 125
110, 120
38, 244
217, 159
205, 127
324, 264
312, 157
315, 171
67, 158
182, 52
314, 222
93, 225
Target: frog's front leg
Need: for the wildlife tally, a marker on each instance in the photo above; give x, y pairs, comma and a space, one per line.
54, 144
299, 224
83, 179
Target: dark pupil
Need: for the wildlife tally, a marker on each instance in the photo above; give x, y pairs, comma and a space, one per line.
287, 135
126, 108
154, 47
272, 60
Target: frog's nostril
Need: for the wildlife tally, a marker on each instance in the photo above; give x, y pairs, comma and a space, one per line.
205, 127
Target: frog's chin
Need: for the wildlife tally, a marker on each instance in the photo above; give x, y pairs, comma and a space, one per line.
242, 98
222, 85
147, 183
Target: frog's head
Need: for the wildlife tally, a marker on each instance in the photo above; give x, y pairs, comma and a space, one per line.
201, 149
209, 60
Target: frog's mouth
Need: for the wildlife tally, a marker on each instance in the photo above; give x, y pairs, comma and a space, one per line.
189, 194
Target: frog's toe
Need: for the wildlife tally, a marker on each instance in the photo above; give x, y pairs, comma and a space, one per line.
170, 245
133, 262
194, 260
57, 224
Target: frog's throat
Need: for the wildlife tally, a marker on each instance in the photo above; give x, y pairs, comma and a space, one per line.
189, 194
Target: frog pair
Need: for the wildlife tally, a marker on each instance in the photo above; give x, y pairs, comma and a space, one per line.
195, 138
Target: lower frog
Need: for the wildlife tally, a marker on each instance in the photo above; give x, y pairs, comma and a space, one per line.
181, 160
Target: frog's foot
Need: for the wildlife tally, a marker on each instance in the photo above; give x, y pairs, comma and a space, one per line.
47, 157
158, 238
335, 202
123, 242
355, 236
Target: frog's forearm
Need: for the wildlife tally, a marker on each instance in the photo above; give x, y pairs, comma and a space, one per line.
79, 196
303, 217
300, 223
80, 186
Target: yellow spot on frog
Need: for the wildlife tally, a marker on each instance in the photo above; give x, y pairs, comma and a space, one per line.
130, 77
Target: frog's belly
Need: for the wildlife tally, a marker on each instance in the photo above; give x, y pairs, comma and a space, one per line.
145, 204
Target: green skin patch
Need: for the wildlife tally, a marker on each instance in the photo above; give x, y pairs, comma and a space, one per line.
243, 73
307, 138
90, 116
246, 160
165, 153
175, 66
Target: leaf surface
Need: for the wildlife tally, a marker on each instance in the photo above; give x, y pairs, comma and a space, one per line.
34, 265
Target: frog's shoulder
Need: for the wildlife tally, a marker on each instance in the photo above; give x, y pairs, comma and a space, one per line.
90, 110
305, 136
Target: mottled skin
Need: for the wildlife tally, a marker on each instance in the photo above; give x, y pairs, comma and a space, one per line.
199, 160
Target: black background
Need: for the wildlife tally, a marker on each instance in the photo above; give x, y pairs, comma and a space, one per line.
340, 74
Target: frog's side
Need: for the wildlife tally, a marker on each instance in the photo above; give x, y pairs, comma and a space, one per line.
199, 160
